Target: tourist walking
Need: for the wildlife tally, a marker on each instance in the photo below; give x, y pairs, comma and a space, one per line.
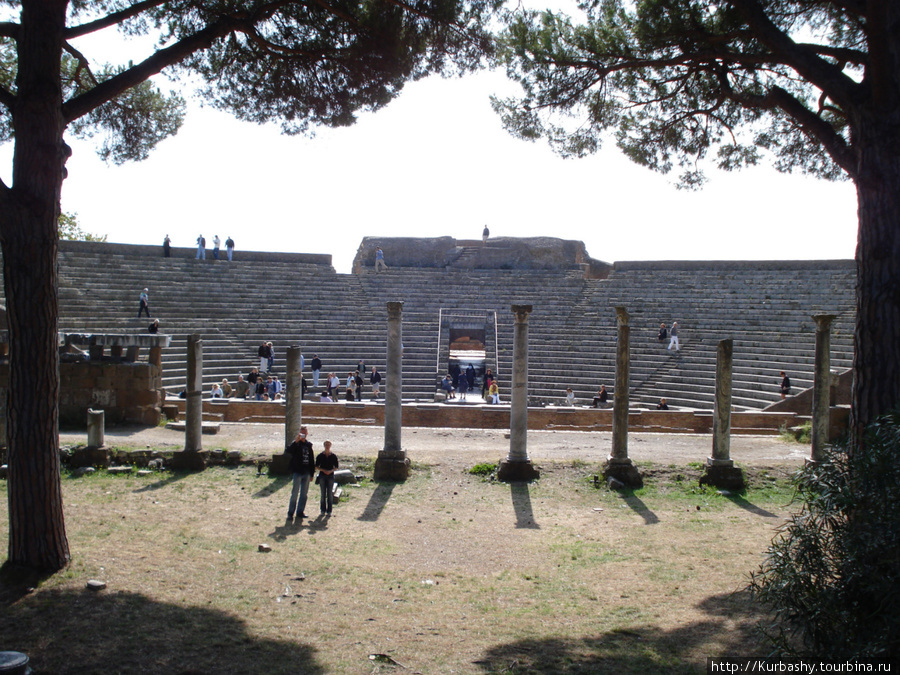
673, 337
470, 376
263, 354
358, 378
316, 365
144, 303
216, 243
463, 387
375, 381
167, 247
229, 248
379, 260
785, 385
326, 463
302, 467
201, 247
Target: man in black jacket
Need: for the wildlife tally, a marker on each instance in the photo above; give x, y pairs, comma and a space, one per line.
316, 366
302, 466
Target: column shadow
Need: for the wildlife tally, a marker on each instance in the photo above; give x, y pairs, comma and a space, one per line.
273, 487
377, 501
749, 506
521, 501
639, 507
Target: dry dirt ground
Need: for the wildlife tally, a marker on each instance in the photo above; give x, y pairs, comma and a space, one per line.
444, 573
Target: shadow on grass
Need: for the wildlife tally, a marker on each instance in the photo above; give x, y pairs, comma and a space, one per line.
749, 506
274, 486
521, 500
638, 506
377, 501
168, 480
729, 628
88, 632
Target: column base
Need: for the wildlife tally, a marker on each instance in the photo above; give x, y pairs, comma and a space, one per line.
516, 471
280, 465
189, 460
722, 473
624, 471
392, 465
89, 456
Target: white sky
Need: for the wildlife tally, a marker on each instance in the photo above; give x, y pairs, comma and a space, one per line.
436, 162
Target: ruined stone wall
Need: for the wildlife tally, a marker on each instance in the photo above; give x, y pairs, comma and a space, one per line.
128, 393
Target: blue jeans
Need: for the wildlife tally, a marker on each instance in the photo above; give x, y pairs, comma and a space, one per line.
301, 488
326, 484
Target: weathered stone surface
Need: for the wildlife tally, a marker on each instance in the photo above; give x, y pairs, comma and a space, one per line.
96, 585
725, 477
89, 457
512, 471
344, 476
189, 460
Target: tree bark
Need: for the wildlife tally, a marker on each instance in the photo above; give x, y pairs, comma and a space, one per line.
876, 362
29, 239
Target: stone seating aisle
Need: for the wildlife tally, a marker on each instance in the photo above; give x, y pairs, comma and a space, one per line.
234, 306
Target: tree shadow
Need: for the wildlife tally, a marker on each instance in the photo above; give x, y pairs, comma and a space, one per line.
68, 631
638, 506
521, 500
377, 501
730, 627
749, 506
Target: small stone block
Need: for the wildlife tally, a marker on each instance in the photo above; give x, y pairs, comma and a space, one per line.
96, 585
120, 469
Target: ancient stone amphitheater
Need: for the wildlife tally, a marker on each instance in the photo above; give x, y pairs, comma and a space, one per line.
452, 289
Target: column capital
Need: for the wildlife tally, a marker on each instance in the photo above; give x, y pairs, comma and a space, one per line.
395, 309
823, 321
522, 312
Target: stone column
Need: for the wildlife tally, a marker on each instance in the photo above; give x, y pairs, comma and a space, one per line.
293, 393
821, 406
191, 457
618, 464
517, 466
720, 469
392, 462
96, 421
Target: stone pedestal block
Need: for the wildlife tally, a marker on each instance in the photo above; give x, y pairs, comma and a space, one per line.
723, 474
391, 466
90, 456
624, 471
279, 466
512, 471
189, 460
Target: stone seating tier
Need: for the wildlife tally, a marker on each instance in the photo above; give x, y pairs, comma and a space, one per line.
765, 307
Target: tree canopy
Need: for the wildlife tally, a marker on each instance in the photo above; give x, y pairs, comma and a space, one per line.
812, 84
300, 63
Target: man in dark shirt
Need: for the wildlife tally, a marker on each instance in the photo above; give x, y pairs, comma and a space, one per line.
316, 366
302, 466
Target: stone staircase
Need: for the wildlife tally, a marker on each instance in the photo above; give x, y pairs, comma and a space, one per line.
295, 300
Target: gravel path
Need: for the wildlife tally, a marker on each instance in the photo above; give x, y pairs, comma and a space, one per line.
468, 446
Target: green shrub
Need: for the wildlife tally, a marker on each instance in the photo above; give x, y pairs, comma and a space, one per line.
832, 575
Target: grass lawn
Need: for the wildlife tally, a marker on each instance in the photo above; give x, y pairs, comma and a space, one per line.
445, 573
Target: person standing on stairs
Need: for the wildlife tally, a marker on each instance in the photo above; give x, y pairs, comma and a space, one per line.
263, 353
785, 385
673, 337
145, 303
485, 233
316, 365
379, 260
201, 247
167, 247
229, 247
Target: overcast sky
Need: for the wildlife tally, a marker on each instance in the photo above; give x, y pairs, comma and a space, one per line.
436, 162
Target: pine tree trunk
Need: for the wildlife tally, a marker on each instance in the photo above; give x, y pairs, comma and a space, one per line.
28, 235
876, 362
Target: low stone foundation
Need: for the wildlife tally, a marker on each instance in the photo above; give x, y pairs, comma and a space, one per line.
494, 417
